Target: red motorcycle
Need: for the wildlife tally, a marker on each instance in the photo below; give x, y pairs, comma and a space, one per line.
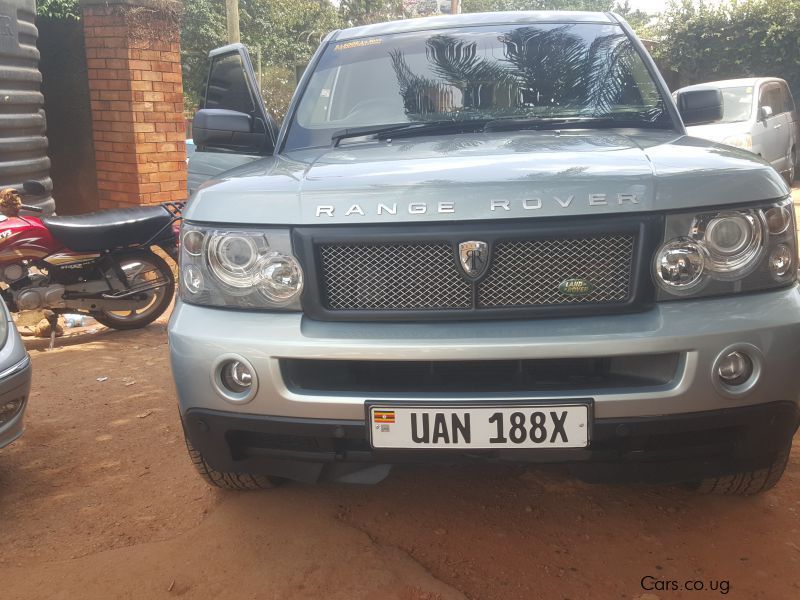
101, 264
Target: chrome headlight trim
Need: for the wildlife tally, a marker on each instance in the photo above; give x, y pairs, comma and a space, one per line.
736, 258
230, 269
740, 246
680, 266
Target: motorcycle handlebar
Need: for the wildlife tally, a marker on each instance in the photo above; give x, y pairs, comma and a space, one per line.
28, 207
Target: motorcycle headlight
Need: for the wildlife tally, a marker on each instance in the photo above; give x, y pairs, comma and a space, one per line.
727, 251
239, 268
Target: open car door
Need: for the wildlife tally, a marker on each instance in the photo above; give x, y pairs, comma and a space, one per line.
232, 126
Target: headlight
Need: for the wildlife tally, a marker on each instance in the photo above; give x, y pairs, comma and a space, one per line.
727, 251
744, 141
232, 259
239, 268
680, 265
733, 240
280, 278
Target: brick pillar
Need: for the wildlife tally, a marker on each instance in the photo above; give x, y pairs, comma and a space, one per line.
134, 66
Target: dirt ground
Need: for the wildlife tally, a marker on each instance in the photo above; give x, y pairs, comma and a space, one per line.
99, 500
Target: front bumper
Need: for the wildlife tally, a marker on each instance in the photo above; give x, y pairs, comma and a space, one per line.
696, 330
15, 385
648, 450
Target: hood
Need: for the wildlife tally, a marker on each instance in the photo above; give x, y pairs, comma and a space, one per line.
486, 176
718, 132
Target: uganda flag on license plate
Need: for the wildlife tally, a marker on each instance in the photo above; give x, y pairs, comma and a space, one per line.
383, 416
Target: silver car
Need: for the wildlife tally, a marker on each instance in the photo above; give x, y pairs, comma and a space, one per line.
483, 237
15, 379
758, 115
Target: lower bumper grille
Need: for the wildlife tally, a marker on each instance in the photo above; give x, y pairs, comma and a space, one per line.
575, 375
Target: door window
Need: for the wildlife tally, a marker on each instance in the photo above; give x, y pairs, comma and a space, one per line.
788, 101
227, 85
771, 96
737, 104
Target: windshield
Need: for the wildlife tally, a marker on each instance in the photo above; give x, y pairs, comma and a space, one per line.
737, 104
534, 71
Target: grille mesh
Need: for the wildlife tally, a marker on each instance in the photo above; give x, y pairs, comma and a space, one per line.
424, 276
404, 276
528, 273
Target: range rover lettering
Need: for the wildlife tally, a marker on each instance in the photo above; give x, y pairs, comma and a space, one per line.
483, 237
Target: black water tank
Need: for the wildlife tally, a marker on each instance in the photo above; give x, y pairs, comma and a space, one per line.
23, 145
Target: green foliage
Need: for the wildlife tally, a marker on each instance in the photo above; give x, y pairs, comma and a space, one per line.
636, 18
58, 9
470, 6
738, 38
284, 32
362, 12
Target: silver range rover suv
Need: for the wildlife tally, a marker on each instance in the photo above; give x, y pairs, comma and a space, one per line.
483, 237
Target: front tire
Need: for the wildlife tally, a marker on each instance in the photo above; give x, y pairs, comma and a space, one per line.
228, 481
748, 483
142, 265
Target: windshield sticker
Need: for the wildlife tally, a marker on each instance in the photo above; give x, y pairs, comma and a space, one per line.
358, 44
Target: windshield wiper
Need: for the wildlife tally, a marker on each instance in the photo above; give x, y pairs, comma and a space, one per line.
397, 130
383, 132
521, 123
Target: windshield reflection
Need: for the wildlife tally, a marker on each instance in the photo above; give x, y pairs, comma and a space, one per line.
541, 71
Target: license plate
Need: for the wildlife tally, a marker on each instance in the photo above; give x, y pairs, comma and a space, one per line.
519, 426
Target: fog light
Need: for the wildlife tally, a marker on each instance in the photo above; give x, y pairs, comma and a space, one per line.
236, 377
9, 410
735, 368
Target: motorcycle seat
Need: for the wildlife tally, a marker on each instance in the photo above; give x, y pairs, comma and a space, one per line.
110, 229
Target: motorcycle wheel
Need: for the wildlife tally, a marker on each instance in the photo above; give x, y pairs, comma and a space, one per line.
140, 268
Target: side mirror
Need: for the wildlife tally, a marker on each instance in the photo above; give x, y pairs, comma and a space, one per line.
765, 112
697, 107
226, 130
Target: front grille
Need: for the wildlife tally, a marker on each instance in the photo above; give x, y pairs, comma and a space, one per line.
528, 273
417, 276
405, 276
